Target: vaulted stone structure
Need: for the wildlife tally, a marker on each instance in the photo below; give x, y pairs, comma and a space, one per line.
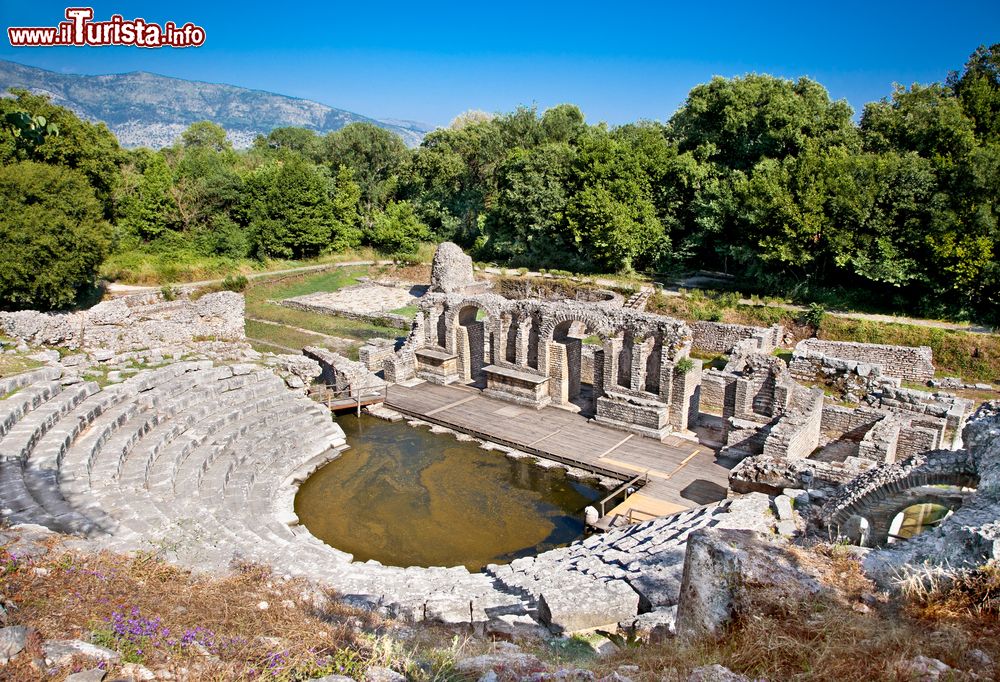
530, 352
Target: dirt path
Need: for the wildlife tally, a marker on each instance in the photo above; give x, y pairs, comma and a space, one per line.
116, 289
920, 322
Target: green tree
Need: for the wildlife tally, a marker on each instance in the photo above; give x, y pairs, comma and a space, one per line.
397, 230
87, 147
53, 232
288, 210
978, 89
147, 207
737, 122
205, 135
376, 156
610, 214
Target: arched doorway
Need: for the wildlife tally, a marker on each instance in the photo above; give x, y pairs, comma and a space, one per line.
575, 361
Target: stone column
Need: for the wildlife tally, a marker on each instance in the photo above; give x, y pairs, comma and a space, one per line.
598, 373
612, 351
640, 353
558, 379
464, 352
574, 348
521, 342
684, 396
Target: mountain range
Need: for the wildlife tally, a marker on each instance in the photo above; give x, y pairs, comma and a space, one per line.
149, 110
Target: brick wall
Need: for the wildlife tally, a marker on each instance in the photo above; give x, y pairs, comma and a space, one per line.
716, 337
905, 362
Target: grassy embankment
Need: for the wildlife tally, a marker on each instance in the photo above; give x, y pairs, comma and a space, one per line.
154, 268
293, 329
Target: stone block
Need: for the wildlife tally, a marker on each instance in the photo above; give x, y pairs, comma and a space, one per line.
586, 604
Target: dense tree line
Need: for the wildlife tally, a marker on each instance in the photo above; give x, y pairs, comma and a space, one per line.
765, 178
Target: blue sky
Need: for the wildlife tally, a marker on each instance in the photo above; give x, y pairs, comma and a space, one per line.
619, 61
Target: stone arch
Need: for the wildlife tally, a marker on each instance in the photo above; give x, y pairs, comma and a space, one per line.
878, 494
473, 338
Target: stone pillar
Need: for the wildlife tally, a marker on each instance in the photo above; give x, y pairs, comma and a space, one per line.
640, 353
574, 348
522, 342
463, 351
558, 379
684, 396
612, 352
598, 373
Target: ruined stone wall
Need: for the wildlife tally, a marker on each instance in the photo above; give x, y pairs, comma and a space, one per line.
847, 422
375, 352
718, 392
346, 375
587, 363
952, 409
796, 433
904, 362
851, 379
133, 323
716, 337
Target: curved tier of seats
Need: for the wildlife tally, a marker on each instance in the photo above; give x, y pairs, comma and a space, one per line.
201, 463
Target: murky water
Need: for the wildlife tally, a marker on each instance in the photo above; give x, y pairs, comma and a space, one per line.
407, 497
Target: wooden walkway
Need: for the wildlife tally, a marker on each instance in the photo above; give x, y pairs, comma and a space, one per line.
682, 474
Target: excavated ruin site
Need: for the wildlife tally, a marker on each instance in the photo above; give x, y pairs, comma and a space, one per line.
195, 444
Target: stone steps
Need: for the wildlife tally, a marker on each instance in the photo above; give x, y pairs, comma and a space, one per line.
24, 401
35, 376
21, 438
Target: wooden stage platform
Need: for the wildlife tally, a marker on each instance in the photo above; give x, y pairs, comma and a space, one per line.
682, 473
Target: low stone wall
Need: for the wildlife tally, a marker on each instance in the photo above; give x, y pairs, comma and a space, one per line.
904, 362
718, 392
851, 379
133, 323
846, 422
375, 352
716, 337
771, 475
344, 374
952, 409
385, 319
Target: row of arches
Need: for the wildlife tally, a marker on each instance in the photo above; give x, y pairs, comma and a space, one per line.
582, 351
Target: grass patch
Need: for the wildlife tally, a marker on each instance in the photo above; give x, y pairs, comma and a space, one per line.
152, 267
15, 364
258, 305
409, 311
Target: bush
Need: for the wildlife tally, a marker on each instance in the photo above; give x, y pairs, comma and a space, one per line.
168, 292
53, 234
813, 315
235, 283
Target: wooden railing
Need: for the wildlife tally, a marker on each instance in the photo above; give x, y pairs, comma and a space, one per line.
644, 477
335, 398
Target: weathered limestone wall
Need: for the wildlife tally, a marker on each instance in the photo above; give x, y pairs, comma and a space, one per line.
952, 409
718, 392
716, 337
133, 323
852, 379
796, 433
345, 375
375, 352
904, 362
847, 422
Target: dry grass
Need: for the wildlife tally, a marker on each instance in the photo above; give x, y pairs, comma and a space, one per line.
170, 620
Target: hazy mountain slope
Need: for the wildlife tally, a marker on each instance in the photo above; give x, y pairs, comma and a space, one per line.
145, 109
